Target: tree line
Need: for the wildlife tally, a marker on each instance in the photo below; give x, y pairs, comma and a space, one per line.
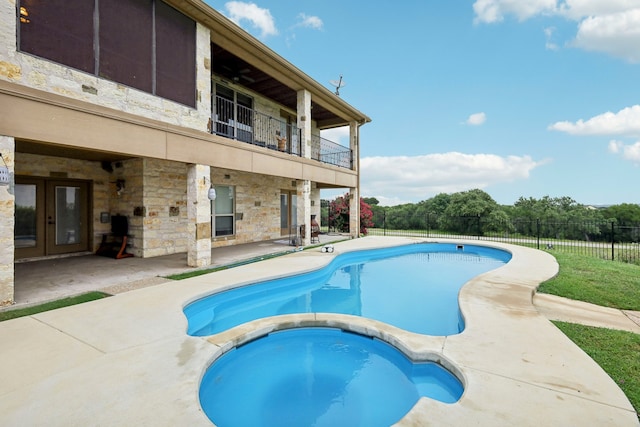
475, 211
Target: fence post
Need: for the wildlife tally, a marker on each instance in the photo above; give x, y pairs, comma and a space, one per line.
538, 232
384, 222
428, 224
479, 227
613, 244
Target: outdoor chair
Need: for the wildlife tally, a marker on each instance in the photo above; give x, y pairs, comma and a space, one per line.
315, 233
114, 244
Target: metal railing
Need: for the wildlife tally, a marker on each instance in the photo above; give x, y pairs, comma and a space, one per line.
602, 239
329, 152
241, 123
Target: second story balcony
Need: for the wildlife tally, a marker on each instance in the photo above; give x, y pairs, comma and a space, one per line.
232, 119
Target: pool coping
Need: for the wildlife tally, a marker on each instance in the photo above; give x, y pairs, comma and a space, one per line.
127, 359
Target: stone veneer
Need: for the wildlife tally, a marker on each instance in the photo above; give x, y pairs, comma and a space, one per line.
7, 209
154, 199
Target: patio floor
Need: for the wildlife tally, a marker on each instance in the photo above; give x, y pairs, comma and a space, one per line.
49, 279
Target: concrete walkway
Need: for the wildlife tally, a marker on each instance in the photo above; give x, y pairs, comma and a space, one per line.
127, 360
584, 313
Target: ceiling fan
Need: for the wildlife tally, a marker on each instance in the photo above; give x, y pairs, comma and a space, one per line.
237, 75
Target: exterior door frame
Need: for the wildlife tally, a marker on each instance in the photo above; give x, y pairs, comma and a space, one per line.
49, 238
288, 217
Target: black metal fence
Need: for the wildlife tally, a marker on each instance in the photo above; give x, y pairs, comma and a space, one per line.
603, 239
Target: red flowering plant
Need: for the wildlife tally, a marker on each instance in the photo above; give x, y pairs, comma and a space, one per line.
339, 214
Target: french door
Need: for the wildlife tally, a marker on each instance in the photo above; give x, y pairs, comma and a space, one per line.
288, 213
51, 217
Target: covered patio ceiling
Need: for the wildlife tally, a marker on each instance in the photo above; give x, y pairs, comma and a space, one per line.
234, 69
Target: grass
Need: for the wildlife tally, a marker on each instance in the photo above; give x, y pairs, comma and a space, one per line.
617, 352
65, 302
610, 284
594, 280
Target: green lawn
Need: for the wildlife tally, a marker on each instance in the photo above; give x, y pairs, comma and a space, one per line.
610, 284
607, 283
65, 302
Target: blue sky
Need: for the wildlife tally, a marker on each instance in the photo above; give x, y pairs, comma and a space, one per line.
517, 98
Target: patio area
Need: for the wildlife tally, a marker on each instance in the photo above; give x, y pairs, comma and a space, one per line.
50, 279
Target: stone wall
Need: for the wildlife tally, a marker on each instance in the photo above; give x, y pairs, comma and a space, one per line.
37, 73
165, 206
7, 209
58, 167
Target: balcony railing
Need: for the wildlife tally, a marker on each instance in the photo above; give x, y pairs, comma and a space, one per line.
329, 152
241, 123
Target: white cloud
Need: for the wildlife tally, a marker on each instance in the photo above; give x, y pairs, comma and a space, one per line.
476, 119
309, 22
338, 135
608, 26
624, 122
401, 179
616, 34
579, 9
548, 32
629, 152
490, 11
258, 17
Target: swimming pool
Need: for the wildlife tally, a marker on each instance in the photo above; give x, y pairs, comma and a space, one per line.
414, 287
319, 377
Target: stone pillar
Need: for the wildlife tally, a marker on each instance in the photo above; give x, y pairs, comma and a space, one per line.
304, 209
199, 216
354, 213
7, 212
304, 186
354, 193
304, 121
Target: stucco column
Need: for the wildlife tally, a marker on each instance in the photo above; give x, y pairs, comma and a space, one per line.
304, 186
199, 216
7, 212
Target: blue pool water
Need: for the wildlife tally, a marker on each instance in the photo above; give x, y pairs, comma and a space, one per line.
319, 377
414, 287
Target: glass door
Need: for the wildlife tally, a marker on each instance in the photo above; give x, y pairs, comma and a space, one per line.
67, 227
51, 217
288, 213
29, 218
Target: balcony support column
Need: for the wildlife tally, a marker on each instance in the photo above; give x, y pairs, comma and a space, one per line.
198, 216
304, 186
304, 121
354, 192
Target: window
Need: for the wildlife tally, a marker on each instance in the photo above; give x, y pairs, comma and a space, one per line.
59, 30
223, 211
144, 44
175, 55
126, 33
234, 114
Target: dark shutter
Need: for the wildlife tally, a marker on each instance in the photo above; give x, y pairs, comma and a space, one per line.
175, 55
59, 30
126, 31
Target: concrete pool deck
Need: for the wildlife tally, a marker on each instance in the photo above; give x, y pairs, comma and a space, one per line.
126, 360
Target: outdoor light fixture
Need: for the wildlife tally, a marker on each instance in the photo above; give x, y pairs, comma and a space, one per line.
211, 194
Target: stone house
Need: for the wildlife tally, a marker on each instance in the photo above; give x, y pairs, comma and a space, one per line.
140, 109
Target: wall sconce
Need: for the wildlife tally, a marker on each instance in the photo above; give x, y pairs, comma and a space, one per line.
119, 186
211, 194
